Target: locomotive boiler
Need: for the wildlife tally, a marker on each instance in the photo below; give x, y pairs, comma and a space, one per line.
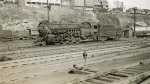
51, 33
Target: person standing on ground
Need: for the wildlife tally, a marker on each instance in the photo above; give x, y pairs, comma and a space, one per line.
85, 56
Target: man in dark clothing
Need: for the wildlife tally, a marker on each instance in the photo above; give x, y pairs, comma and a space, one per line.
85, 56
79, 69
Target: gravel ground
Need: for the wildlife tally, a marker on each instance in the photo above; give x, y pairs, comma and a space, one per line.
38, 70
62, 76
15, 45
25, 44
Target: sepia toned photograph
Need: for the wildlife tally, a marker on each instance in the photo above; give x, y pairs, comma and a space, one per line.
74, 41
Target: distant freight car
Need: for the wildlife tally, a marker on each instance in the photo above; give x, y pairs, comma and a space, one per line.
6, 35
50, 33
1, 27
138, 11
142, 31
21, 34
33, 33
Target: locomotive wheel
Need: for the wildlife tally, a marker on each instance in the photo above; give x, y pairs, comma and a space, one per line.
68, 42
64, 42
73, 42
116, 39
78, 40
104, 38
43, 43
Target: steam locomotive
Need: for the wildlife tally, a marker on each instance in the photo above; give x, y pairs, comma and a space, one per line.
51, 33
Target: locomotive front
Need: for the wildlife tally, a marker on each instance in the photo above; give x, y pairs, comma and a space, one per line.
45, 33
50, 33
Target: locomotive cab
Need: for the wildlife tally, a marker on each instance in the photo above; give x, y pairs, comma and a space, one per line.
90, 31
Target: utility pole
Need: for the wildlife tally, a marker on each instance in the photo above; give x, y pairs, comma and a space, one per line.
61, 3
101, 5
118, 21
134, 21
84, 5
48, 10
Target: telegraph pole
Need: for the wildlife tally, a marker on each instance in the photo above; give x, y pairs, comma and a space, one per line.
84, 5
48, 10
134, 21
61, 3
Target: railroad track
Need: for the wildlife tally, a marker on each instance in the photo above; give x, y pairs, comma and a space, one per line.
21, 67
136, 74
60, 50
39, 60
145, 80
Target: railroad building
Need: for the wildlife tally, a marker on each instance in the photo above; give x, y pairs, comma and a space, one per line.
13, 2
117, 10
128, 32
86, 4
74, 4
138, 11
8, 1
41, 3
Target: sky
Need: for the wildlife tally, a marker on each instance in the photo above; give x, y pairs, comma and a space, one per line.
132, 3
